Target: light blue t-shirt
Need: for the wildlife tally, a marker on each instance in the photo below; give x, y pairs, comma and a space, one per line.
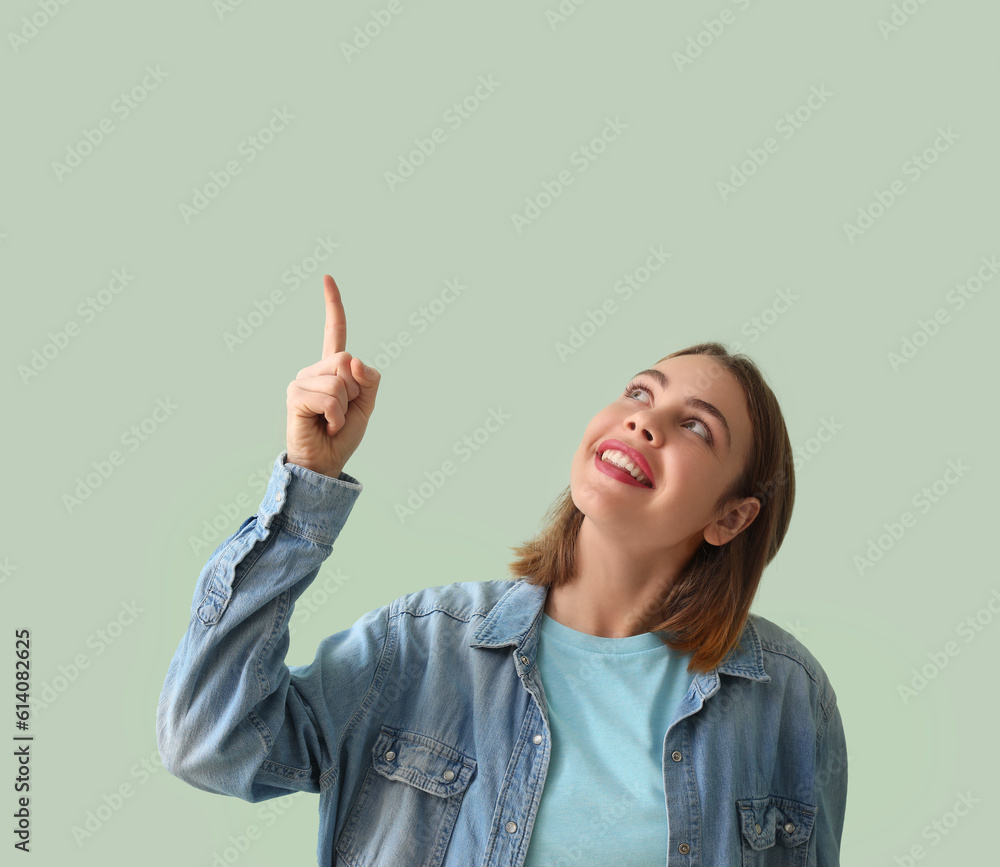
610, 703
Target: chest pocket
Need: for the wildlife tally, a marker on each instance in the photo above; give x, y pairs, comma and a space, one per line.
409, 801
775, 831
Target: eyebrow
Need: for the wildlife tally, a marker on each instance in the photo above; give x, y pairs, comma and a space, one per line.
661, 379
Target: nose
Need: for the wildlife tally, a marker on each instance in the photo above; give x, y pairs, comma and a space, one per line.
631, 425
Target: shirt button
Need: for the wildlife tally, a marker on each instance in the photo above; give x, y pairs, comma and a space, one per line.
757, 828
277, 496
537, 739
684, 848
389, 756
449, 775
524, 660
789, 827
676, 756
511, 827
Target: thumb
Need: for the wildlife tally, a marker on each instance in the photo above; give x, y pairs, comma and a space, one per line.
368, 378
366, 373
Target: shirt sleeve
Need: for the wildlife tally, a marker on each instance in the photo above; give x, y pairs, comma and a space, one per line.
232, 717
831, 793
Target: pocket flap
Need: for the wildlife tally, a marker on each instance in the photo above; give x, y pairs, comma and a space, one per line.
765, 821
422, 761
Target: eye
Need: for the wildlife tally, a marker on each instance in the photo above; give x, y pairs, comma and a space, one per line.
708, 433
633, 387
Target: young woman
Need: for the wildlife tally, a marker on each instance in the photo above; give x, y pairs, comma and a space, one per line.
615, 704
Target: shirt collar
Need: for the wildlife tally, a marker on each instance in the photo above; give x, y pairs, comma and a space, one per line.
514, 618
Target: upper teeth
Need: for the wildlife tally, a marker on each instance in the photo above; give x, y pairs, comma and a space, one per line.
620, 459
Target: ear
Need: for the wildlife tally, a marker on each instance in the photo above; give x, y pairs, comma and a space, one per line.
739, 515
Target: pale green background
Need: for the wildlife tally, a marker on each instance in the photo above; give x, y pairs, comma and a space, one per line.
67, 573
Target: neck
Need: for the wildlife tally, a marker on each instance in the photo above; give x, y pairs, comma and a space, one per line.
614, 592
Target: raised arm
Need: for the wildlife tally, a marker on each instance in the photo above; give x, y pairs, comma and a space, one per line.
232, 717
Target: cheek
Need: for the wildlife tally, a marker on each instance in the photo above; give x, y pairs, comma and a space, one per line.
688, 476
599, 422
598, 428
578, 467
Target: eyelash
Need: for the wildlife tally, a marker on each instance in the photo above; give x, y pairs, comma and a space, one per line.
639, 384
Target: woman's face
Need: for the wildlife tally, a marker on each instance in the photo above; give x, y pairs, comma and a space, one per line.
691, 456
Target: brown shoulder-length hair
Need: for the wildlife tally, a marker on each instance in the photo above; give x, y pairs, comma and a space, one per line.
705, 609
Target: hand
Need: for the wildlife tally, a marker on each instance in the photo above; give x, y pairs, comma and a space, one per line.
330, 402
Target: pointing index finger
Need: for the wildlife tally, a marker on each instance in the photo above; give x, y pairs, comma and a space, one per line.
335, 332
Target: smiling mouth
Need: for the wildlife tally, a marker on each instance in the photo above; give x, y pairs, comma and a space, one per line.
618, 460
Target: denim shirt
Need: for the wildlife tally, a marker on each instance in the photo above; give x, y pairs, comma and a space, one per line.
424, 726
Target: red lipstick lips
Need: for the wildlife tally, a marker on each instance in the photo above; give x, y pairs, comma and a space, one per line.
623, 475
